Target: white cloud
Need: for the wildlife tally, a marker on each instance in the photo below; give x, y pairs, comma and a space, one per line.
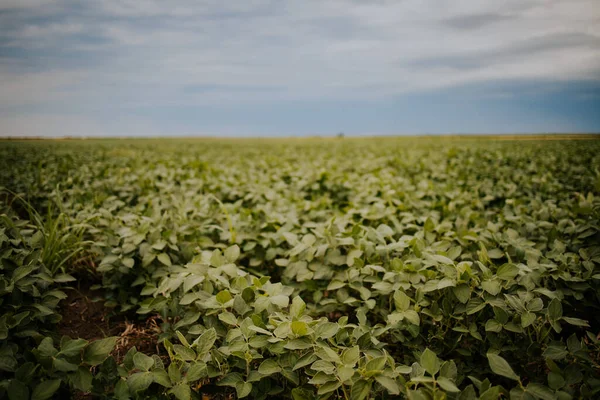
150, 53
24, 4
36, 88
315, 46
47, 125
52, 30
58, 125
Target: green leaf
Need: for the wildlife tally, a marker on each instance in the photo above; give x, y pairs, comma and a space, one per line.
555, 352
269, 367
507, 272
143, 362
23, 271
165, 259
491, 394
491, 286
376, 364
161, 377
474, 306
527, 319
231, 379
63, 365
297, 308
217, 259
430, 362
495, 254
205, 342
305, 360
517, 393
45, 390
390, 384
351, 355
228, 318
224, 296
576, 321
412, 316
360, 390
492, 325
122, 390
322, 365
174, 373
301, 394
462, 293
184, 353
299, 328
429, 225
140, 381
196, 371
468, 393
449, 370
535, 305
243, 389
182, 339
447, 385
248, 295
17, 390
417, 395
8, 363
96, 352
327, 354
128, 262
328, 387
401, 300
280, 300
500, 367
327, 330
555, 380
181, 391
555, 309
82, 379
344, 373
540, 391
46, 347
146, 260
232, 253
334, 285
72, 348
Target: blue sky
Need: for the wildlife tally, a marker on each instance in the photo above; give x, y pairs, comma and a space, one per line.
282, 67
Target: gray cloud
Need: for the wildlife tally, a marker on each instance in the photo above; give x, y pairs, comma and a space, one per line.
474, 21
142, 52
514, 52
25, 4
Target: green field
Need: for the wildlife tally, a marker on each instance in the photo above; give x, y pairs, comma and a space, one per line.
350, 268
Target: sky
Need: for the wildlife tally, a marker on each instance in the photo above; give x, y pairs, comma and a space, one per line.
294, 68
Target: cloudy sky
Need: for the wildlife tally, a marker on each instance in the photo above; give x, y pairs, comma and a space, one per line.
305, 67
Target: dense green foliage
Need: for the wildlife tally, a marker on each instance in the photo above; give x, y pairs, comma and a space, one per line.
304, 269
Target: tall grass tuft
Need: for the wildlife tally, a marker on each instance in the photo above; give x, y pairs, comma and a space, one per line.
62, 241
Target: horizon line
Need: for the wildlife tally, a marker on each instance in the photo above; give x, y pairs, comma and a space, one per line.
341, 135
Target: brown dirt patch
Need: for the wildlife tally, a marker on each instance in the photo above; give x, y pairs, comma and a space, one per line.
86, 317
142, 335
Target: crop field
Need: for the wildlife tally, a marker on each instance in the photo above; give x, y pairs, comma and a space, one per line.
343, 268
